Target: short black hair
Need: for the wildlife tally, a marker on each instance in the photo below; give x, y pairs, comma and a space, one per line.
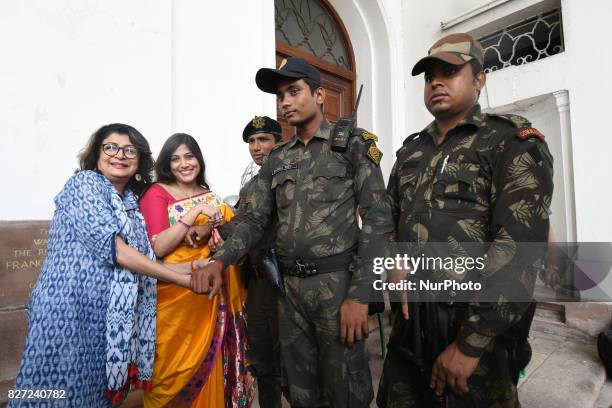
476, 66
162, 165
89, 156
312, 84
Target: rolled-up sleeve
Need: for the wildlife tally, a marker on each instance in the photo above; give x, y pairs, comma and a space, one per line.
85, 202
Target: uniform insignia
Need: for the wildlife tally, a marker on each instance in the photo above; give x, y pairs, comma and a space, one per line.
284, 167
258, 122
374, 154
369, 136
527, 132
282, 64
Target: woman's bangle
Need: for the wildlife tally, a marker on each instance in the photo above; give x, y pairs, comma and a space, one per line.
192, 265
184, 223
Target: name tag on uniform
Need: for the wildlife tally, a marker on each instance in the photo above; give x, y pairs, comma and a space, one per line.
284, 167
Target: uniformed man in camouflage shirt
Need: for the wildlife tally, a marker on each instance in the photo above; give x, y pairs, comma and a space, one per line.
261, 134
315, 193
468, 177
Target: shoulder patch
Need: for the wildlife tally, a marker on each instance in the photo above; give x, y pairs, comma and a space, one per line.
527, 132
369, 136
374, 154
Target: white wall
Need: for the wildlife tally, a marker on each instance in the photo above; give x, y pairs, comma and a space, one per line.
68, 67
218, 46
71, 66
579, 70
374, 28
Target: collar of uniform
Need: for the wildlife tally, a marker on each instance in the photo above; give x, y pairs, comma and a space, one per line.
321, 133
474, 117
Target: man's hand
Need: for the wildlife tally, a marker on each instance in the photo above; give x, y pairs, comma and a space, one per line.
396, 276
452, 368
207, 280
353, 322
197, 235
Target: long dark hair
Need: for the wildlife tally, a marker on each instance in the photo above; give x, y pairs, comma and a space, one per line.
162, 165
89, 156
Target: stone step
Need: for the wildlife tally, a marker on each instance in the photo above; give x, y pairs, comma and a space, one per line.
571, 376
605, 396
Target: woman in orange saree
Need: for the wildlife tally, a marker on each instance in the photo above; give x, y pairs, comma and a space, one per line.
201, 342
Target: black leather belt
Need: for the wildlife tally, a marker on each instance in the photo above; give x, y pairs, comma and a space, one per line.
303, 268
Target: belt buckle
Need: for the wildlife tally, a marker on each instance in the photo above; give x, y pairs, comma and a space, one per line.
301, 269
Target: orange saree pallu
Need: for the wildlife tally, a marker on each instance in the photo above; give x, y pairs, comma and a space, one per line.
201, 343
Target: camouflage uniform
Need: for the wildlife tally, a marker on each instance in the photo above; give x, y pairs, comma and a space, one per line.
262, 309
315, 193
490, 180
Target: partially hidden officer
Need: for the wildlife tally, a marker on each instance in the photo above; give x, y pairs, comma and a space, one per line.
261, 134
325, 257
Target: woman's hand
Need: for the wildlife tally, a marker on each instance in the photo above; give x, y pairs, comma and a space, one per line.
183, 280
213, 213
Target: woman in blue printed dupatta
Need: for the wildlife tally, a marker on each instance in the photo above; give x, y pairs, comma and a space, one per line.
91, 332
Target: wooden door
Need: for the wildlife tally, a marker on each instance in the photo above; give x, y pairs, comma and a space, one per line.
311, 29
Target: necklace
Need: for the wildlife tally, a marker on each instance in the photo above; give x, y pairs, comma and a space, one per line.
184, 193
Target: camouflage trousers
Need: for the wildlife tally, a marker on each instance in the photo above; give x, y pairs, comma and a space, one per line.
264, 346
404, 385
321, 371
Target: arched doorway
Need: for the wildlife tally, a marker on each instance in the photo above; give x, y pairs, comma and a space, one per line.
311, 29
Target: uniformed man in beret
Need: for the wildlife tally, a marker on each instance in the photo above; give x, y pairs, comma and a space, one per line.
261, 133
314, 193
468, 177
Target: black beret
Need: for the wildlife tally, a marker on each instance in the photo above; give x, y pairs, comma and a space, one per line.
262, 124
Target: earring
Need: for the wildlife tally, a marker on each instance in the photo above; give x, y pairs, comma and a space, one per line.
138, 177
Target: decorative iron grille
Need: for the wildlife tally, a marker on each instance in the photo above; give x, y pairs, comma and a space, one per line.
308, 25
531, 40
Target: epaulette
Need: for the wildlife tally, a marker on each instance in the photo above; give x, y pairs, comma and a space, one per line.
524, 130
364, 134
411, 138
515, 120
280, 144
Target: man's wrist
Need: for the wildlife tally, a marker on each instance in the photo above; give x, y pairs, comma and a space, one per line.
472, 344
218, 262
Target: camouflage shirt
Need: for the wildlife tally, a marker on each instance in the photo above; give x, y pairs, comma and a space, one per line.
490, 180
244, 204
315, 193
